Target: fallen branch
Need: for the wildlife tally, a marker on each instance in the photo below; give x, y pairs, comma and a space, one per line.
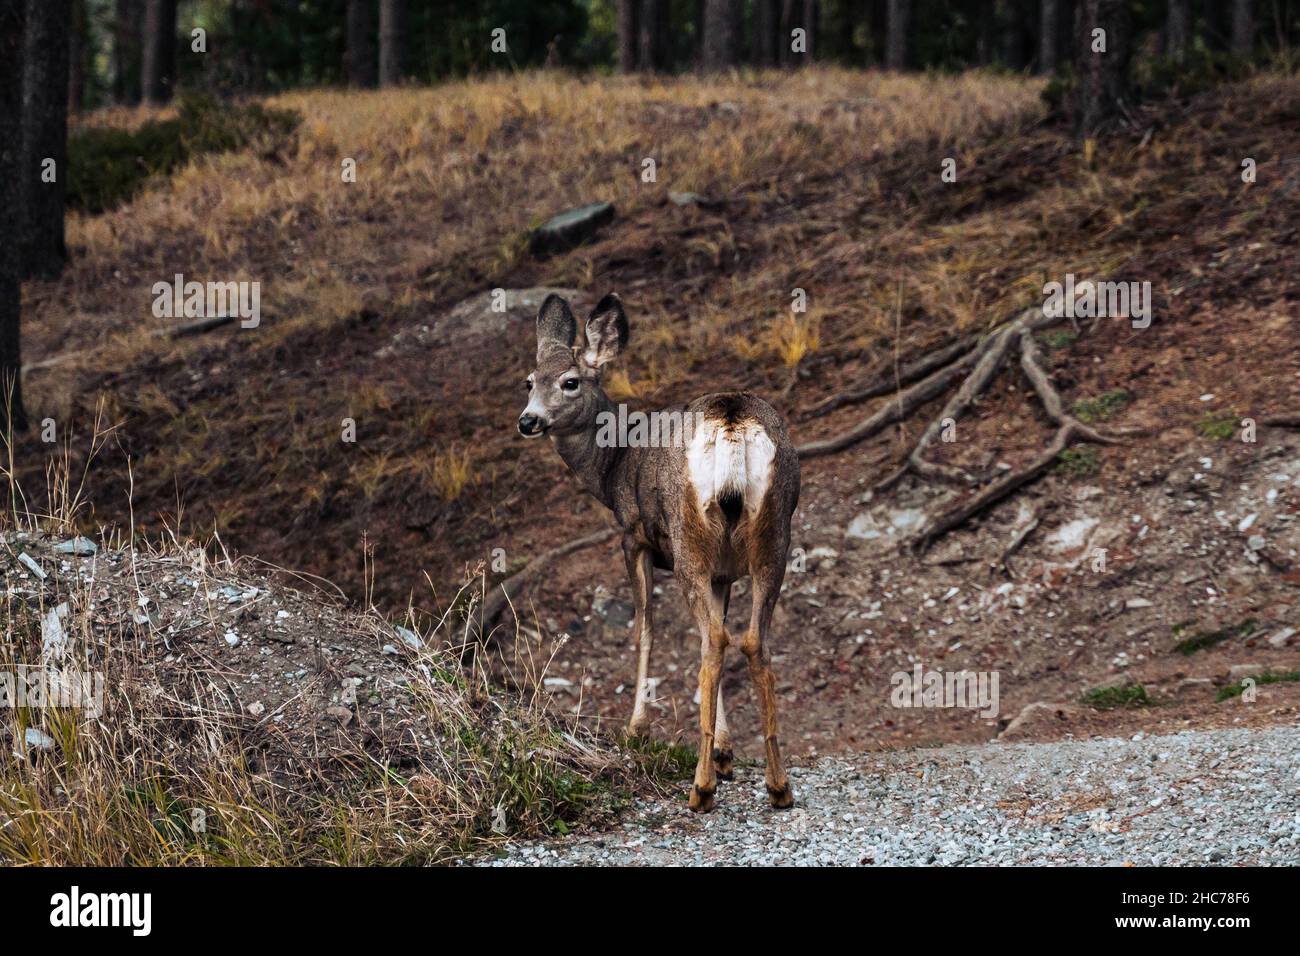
504, 592
1285, 420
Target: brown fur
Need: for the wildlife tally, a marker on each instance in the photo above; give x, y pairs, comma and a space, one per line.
650, 492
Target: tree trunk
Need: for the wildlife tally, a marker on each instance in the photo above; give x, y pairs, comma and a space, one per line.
1243, 26
1178, 28
45, 134
628, 35
652, 34
126, 51
1102, 76
811, 24
78, 57
12, 181
721, 39
360, 53
1049, 28
897, 26
784, 41
158, 70
392, 42
764, 40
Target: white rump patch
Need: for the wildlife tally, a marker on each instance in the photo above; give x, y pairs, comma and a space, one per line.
730, 458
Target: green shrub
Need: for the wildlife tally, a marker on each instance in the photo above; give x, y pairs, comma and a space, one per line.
1102, 407
108, 167
1111, 698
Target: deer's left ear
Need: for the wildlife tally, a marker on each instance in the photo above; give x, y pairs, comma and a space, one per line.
606, 331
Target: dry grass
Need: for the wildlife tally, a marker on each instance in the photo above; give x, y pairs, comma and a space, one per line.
170, 767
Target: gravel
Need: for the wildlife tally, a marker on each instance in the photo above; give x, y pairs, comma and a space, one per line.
1200, 797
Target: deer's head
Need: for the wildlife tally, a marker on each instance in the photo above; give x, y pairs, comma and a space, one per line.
564, 393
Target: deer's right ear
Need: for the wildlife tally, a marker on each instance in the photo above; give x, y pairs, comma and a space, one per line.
555, 324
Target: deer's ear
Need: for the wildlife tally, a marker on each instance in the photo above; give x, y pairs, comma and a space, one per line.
606, 331
555, 324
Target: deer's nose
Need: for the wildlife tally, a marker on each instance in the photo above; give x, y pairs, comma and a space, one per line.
530, 426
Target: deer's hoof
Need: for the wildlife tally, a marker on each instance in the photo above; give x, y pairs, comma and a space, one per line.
782, 797
724, 763
701, 800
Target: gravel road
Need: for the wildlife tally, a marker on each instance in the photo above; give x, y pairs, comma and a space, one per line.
1199, 797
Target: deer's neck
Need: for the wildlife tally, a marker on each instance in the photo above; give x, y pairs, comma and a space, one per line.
591, 462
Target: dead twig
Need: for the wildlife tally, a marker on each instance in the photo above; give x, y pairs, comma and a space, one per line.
503, 593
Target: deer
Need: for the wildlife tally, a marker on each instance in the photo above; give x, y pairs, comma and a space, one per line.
712, 508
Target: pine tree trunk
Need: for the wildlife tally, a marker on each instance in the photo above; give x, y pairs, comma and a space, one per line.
127, 16
78, 54
1102, 76
652, 34
811, 24
1178, 28
45, 134
763, 45
392, 42
628, 35
721, 39
158, 69
360, 53
1243, 26
1049, 28
11, 199
789, 20
897, 26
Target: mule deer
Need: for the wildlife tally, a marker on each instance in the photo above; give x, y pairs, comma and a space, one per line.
712, 507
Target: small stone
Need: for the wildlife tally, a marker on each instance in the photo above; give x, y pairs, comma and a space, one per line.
30, 563
81, 547
1135, 603
570, 228
1282, 638
256, 708
232, 638
409, 637
38, 739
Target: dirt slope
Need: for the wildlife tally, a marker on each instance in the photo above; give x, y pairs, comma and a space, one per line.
245, 431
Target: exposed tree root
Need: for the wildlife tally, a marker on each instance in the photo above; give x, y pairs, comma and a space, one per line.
885, 380
977, 366
1285, 420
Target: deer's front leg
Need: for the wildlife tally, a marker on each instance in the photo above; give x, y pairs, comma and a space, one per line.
640, 570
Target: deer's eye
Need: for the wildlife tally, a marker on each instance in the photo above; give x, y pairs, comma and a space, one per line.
528, 385
570, 385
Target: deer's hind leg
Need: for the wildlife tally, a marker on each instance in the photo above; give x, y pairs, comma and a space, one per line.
707, 610
724, 757
767, 575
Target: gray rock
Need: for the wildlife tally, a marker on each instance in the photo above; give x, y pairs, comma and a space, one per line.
570, 228
691, 199
38, 739
1237, 671
409, 637
81, 547
1282, 638
611, 610
30, 563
